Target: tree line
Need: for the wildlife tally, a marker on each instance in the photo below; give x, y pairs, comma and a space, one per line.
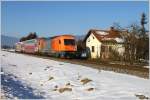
31, 35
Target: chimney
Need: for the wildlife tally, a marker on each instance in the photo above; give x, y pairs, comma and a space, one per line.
111, 28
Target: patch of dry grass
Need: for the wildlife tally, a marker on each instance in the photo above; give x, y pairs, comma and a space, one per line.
85, 81
4, 55
13, 65
55, 88
61, 90
68, 84
50, 78
90, 89
142, 97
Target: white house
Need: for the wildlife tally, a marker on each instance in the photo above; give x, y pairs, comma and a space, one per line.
102, 42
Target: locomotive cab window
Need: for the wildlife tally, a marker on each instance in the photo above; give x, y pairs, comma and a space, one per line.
69, 41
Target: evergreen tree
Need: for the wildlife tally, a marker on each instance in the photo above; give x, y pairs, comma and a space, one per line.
143, 22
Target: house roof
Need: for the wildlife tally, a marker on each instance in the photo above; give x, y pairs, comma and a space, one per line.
107, 35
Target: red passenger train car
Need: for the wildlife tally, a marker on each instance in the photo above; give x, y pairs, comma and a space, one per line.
30, 46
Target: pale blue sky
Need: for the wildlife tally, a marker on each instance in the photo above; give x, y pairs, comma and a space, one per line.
52, 18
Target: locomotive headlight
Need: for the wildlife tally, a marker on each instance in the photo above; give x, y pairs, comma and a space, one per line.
36, 48
75, 47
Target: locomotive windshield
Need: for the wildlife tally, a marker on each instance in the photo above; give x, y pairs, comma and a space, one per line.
69, 41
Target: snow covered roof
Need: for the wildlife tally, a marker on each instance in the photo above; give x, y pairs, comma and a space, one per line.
102, 32
111, 35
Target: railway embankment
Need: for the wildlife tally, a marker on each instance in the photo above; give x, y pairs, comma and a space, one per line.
136, 70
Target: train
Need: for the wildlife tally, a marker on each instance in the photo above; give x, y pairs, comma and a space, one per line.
63, 46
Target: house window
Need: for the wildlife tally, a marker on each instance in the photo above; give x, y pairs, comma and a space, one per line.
93, 49
103, 48
110, 48
88, 40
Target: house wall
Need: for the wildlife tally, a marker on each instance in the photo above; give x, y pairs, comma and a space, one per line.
92, 41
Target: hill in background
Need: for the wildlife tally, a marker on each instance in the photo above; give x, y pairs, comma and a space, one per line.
8, 41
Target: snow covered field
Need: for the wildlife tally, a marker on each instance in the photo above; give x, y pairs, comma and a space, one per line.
54, 80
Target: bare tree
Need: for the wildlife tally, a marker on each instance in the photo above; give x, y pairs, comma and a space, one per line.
136, 41
117, 26
80, 45
131, 41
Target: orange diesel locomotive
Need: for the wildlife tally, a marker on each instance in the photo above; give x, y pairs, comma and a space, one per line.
63, 46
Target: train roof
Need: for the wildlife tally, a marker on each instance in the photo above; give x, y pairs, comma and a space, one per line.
47, 38
62, 35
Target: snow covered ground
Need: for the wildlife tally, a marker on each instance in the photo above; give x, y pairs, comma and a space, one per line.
44, 78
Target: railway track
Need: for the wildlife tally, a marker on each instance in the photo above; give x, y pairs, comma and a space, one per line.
125, 69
